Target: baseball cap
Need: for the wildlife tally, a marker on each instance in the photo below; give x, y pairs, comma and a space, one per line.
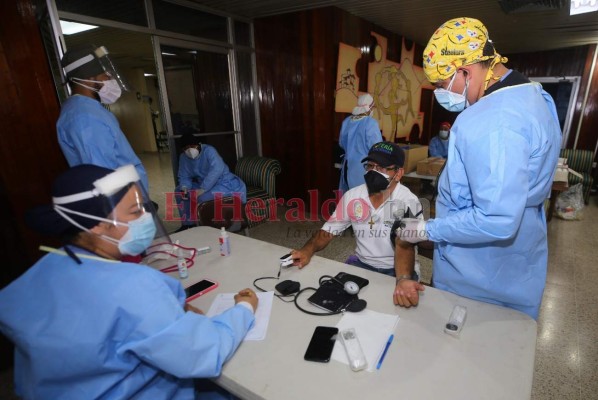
386, 154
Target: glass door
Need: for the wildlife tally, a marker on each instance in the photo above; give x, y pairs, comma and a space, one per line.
197, 97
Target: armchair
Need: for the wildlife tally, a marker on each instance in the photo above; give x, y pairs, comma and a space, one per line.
580, 161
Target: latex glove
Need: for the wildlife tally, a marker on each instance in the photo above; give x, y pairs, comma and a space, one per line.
412, 230
199, 192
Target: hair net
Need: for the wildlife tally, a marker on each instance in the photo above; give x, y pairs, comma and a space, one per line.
458, 42
364, 104
75, 180
187, 139
89, 60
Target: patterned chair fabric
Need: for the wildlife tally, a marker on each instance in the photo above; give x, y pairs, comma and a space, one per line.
580, 161
259, 175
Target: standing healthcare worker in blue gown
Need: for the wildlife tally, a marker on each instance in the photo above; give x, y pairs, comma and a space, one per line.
359, 133
490, 225
87, 132
203, 173
87, 326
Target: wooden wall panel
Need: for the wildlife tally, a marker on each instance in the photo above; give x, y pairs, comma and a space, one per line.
588, 134
574, 61
29, 154
30, 157
297, 58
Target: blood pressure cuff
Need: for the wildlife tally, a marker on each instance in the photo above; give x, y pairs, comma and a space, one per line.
345, 277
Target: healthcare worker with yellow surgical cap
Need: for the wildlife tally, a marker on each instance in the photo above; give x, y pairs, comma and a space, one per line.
490, 225
87, 326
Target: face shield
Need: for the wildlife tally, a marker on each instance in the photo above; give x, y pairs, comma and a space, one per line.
96, 61
119, 199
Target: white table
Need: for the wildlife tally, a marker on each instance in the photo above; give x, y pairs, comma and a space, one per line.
414, 174
492, 359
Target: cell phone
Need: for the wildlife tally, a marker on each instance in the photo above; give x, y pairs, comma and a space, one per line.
200, 288
321, 344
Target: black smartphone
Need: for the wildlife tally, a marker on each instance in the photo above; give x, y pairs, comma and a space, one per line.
321, 344
199, 288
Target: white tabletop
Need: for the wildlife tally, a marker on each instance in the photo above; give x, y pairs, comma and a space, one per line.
414, 174
492, 359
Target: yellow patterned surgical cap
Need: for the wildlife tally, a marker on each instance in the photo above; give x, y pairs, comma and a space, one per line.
455, 43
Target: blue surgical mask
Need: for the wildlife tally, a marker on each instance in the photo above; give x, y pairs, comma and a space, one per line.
454, 102
139, 236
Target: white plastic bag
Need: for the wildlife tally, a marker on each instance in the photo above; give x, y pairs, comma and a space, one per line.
569, 204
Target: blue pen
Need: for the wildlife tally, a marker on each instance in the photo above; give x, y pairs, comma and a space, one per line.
385, 350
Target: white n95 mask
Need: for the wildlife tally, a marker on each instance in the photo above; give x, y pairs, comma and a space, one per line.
192, 153
110, 92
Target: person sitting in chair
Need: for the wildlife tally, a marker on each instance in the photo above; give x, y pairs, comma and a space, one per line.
202, 173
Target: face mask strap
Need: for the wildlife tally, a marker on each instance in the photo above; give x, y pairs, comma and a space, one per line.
62, 211
79, 80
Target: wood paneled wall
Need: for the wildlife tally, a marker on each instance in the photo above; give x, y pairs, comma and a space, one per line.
30, 157
297, 56
296, 68
574, 61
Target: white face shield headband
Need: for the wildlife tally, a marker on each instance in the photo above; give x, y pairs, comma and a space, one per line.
101, 56
141, 231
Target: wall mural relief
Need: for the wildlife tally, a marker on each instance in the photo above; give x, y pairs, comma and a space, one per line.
395, 87
347, 81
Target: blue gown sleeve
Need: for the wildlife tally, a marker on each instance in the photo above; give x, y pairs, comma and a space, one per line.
185, 174
434, 150
372, 132
216, 168
184, 344
342, 139
496, 168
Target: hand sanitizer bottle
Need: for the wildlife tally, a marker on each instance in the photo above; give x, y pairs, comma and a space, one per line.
224, 242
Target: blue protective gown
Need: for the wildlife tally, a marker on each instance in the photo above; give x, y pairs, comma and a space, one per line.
490, 226
90, 134
210, 173
104, 330
438, 147
356, 138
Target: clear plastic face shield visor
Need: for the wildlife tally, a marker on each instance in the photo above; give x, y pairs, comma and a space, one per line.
125, 205
101, 57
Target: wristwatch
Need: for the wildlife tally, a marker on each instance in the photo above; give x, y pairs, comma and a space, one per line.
401, 277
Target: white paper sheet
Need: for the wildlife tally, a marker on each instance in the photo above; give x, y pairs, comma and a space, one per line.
258, 331
373, 330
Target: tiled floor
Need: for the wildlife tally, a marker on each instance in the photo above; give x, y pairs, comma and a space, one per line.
567, 345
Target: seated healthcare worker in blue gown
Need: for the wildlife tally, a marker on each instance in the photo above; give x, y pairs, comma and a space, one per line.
88, 326
203, 173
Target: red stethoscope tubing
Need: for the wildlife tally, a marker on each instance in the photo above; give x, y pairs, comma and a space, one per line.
174, 268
